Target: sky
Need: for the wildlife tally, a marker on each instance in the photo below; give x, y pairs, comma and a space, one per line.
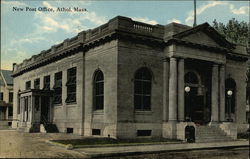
28, 32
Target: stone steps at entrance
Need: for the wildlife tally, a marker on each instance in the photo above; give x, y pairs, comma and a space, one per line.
211, 134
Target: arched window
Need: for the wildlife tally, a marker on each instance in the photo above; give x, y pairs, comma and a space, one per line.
98, 90
230, 96
142, 89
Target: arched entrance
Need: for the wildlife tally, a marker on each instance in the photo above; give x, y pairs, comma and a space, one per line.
195, 109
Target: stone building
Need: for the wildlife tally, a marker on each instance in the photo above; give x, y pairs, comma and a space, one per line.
6, 97
129, 79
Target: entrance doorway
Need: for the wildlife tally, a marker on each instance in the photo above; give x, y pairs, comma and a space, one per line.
45, 105
194, 99
194, 106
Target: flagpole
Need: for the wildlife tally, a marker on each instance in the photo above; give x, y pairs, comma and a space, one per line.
194, 13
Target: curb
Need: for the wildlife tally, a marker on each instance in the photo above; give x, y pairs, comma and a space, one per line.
116, 154
68, 146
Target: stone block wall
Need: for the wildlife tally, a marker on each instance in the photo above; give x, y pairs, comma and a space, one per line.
64, 115
104, 58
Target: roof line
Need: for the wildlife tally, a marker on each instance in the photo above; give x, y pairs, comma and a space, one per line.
5, 82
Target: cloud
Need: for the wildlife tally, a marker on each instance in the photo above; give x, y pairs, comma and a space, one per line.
13, 3
174, 20
48, 5
27, 40
203, 8
145, 20
15, 56
52, 22
241, 10
92, 17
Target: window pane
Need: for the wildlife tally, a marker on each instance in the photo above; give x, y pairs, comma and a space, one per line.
147, 88
146, 102
99, 90
138, 87
138, 101
142, 89
99, 102
146, 75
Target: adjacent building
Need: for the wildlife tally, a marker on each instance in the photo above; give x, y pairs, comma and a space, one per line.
6, 96
128, 79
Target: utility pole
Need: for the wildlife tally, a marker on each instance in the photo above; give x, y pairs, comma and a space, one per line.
194, 13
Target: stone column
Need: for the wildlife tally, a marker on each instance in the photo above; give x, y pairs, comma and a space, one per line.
165, 90
215, 94
7, 113
21, 109
173, 90
32, 108
181, 90
222, 93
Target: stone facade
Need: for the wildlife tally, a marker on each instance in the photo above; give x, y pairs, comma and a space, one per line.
173, 60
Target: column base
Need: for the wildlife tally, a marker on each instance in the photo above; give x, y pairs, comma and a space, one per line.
169, 130
230, 129
175, 130
213, 123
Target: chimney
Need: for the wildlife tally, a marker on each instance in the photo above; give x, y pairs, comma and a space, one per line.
13, 66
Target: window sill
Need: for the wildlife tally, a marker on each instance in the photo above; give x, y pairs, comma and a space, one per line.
143, 112
98, 112
71, 103
57, 105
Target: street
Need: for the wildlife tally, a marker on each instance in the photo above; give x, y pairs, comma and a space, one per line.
14, 144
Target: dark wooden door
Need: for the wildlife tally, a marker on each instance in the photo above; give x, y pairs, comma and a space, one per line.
45, 105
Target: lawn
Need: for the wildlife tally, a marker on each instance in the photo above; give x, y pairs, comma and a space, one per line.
97, 142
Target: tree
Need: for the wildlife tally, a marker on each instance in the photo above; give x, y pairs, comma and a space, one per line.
234, 31
237, 33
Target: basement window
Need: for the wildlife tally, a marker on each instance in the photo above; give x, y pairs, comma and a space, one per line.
96, 131
70, 130
144, 132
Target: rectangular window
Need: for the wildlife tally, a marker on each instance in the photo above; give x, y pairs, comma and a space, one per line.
96, 131
70, 130
10, 111
28, 85
11, 97
46, 83
144, 132
58, 88
71, 85
37, 83
1, 95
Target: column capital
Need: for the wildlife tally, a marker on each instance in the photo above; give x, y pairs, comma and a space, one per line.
181, 59
222, 66
215, 65
173, 59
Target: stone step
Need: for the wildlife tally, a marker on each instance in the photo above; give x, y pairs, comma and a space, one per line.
211, 134
213, 137
212, 140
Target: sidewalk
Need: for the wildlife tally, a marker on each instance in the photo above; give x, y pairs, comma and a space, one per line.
146, 149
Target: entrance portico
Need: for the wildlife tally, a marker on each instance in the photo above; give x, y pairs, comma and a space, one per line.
196, 85
35, 108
